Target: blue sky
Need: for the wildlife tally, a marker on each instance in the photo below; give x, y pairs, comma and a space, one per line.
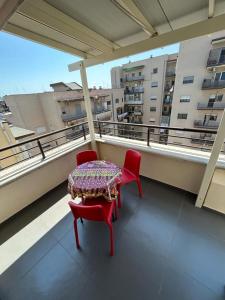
28, 67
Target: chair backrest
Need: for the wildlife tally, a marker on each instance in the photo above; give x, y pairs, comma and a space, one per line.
85, 156
132, 161
92, 212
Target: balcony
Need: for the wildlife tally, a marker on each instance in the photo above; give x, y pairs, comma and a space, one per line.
207, 141
102, 114
38, 245
216, 58
134, 90
207, 106
73, 116
171, 73
134, 102
138, 113
133, 78
213, 84
209, 124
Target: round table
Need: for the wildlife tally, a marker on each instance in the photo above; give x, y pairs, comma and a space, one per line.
93, 179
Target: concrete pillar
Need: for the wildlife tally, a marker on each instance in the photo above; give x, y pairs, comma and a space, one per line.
210, 168
87, 103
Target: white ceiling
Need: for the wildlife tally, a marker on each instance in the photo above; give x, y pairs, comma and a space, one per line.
99, 28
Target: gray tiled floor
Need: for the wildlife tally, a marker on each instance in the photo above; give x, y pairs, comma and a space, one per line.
165, 249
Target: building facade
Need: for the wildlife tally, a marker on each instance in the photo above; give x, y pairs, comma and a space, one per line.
45, 112
198, 99
148, 89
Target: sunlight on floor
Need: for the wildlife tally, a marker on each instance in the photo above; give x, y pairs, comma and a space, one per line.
22, 241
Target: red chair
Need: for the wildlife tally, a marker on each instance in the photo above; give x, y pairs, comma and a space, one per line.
130, 172
85, 156
94, 210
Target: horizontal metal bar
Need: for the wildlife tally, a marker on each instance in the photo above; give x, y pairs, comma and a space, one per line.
39, 137
159, 127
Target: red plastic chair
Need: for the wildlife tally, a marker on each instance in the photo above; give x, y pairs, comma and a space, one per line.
130, 172
85, 156
94, 210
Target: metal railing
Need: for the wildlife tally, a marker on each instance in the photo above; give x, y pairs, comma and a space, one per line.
73, 116
215, 105
134, 90
170, 73
133, 102
182, 137
19, 152
206, 124
133, 78
213, 84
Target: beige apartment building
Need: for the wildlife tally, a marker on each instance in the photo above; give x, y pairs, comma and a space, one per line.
64, 106
148, 89
198, 99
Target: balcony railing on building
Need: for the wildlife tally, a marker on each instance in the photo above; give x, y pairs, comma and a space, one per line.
73, 116
170, 73
208, 106
134, 90
133, 78
134, 102
216, 57
206, 124
213, 84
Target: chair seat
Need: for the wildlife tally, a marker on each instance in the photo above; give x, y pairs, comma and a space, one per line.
106, 205
126, 176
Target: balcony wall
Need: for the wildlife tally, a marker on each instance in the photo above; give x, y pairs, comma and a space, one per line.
206, 106
208, 125
213, 84
133, 78
156, 164
21, 188
73, 116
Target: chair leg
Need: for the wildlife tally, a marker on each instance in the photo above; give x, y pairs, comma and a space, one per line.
139, 187
115, 210
76, 234
111, 240
119, 196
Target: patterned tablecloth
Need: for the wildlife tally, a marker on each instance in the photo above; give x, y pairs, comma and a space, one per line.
94, 179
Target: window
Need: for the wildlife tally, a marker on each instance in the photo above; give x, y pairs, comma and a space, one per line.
219, 97
213, 118
152, 130
220, 76
122, 99
139, 74
182, 116
108, 102
155, 70
152, 108
154, 84
133, 74
188, 79
117, 100
185, 99
153, 98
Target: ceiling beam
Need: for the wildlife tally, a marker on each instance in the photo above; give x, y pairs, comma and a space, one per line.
211, 8
48, 15
7, 9
130, 9
181, 34
11, 28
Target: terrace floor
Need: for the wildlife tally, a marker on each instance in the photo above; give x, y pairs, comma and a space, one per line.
165, 248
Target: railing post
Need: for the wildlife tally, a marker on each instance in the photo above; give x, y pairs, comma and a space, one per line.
148, 137
41, 149
99, 129
84, 133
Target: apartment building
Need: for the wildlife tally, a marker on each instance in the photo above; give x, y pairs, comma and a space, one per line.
64, 106
148, 89
198, 99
